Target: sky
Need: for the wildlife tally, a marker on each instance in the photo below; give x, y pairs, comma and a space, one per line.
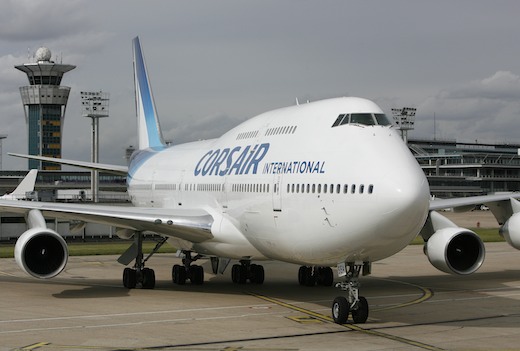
214, 64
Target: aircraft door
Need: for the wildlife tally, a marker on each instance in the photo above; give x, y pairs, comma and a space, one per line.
277, 193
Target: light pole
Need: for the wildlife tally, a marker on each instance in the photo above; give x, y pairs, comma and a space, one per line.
2, 137
94, 105
405, 120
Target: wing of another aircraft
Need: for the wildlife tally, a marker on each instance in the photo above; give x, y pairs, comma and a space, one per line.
439, 204
121, 170
190, 225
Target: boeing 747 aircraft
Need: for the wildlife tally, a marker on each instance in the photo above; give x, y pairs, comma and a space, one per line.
323, 184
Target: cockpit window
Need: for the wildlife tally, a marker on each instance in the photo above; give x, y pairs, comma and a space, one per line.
365, 119
362, 118
339, 119
382, 120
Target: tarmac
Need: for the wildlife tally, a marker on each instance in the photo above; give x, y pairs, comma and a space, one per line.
412, 307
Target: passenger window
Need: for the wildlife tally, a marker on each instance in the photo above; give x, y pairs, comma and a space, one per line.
308, 188
353, 189
338, 188
313, 188
370, 189
345, 189
362, 118
319, 188
361, 189
324, 188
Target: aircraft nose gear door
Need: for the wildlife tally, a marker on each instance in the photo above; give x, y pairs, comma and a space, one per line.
277, 193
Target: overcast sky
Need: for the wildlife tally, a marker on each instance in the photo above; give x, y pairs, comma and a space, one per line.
213, 64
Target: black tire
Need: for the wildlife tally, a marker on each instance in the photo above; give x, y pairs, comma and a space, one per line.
309, 279
241, 274
360, 315
235, 273
326, 276
197, 275
148, 278
257, 274
179, 275
129, 278
340, 310
301, 274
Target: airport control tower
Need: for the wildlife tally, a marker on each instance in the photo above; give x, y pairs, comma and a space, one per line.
45, 102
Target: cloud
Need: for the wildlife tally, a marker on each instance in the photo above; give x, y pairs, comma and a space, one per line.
487, 110
30, 20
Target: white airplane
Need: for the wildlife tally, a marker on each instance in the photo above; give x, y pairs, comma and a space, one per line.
25, 186
323, 184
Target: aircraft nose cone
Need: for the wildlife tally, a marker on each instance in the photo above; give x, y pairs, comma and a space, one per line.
409, 202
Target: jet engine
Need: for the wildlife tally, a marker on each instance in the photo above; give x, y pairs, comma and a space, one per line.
455, 250
41, 252
511, 231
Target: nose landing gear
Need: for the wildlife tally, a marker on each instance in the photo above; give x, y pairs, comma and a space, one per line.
353, 304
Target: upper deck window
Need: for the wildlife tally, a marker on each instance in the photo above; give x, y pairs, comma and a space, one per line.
365, 119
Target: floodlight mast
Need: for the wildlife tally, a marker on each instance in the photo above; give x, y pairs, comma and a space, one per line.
405, 120
94, 105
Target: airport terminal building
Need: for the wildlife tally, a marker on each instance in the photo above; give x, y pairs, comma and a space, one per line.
466, 169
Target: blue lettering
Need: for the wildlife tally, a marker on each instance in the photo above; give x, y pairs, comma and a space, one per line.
259, 155
238, 163
229, 160
197, 167
209, 162
218, 162
247, 160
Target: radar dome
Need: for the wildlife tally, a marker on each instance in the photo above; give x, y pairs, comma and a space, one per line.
43, 54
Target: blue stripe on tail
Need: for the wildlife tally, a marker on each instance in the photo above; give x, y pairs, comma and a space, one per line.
145, 92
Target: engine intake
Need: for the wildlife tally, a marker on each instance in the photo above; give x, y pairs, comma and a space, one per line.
455, 250
41, 252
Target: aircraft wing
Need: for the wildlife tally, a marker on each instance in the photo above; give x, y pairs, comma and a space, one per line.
121, 170
191, 225
439, 204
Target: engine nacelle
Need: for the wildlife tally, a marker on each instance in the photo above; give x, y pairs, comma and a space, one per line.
455, 250
41, 252
511, 231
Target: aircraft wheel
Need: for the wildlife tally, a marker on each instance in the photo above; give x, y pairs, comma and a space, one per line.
197, 275
340, 310
129, 278
325, 276
257, 274
360, 315
179, 275
301, 274
148, 278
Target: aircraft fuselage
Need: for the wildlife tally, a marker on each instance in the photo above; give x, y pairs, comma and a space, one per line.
294, 184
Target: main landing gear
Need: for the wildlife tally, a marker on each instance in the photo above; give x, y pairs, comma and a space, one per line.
187, 271
353, 304
241, 273
310, 276
139, 274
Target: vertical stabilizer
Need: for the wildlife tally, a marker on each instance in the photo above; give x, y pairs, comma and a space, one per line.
26, 185
148, 125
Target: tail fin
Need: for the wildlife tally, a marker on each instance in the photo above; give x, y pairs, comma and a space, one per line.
148, 125
26, 185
